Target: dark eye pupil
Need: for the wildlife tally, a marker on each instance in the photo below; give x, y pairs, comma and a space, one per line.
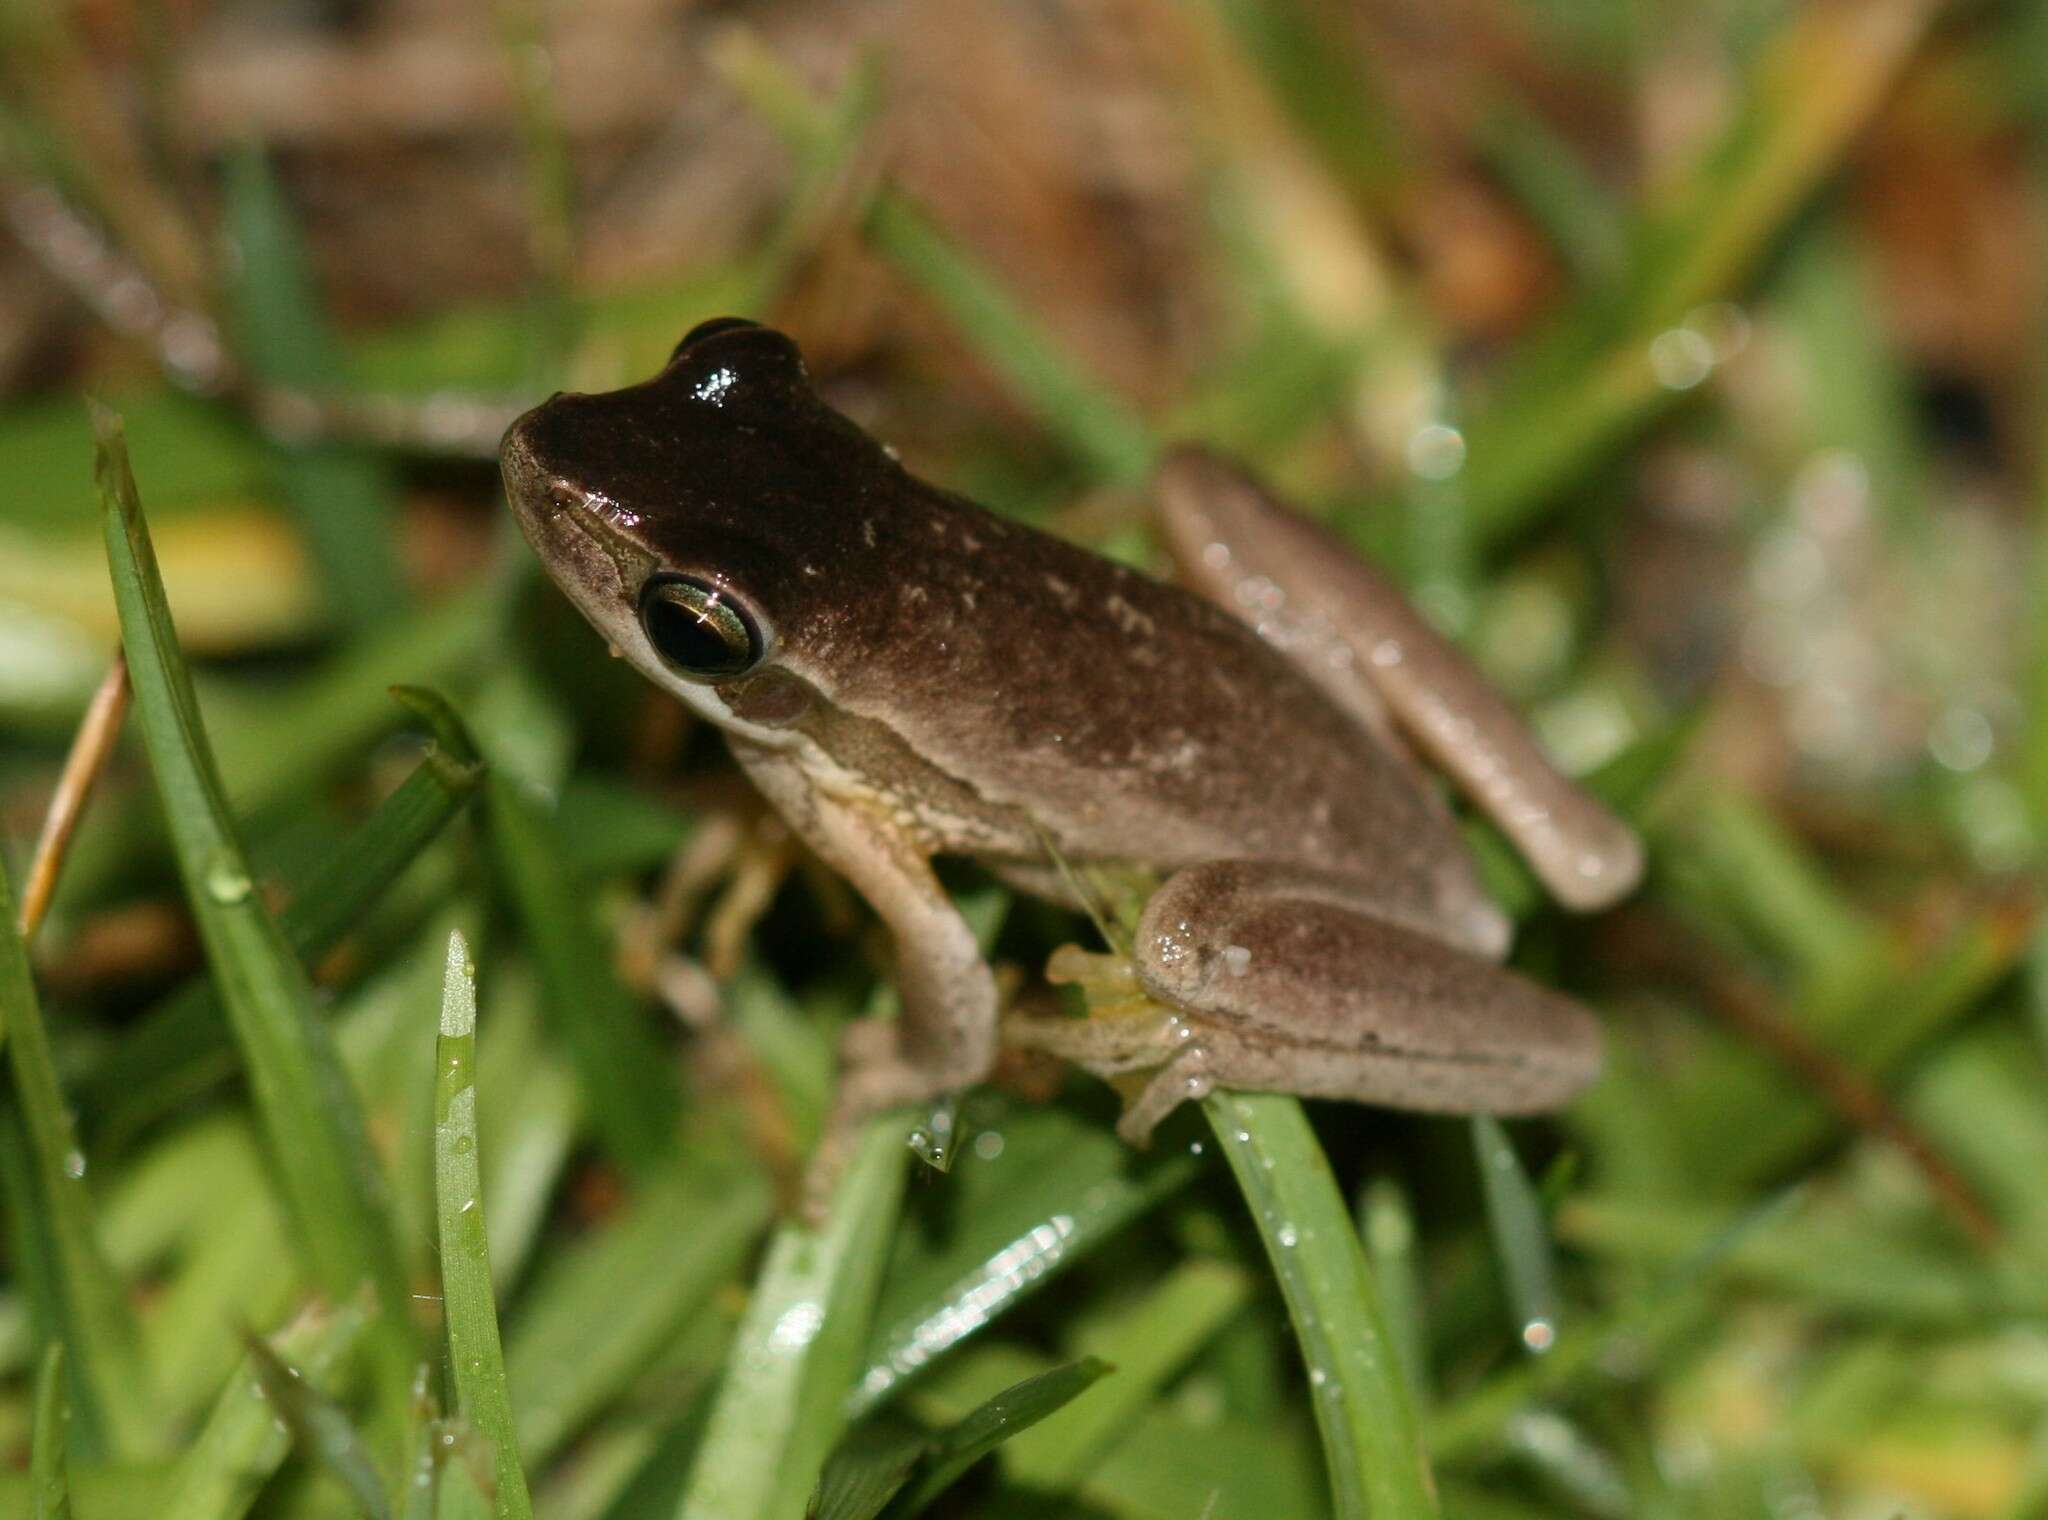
695, 631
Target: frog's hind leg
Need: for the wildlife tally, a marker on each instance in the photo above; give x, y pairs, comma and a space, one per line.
1351, 630
1287, 984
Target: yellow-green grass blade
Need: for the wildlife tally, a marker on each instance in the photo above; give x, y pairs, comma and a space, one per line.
310, 1116
49, 1466
476, 1359
58, 1224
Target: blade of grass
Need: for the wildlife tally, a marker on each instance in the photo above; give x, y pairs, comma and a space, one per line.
182, 1046
343, 496
320, 1429
476, 1360
1521, 1240
1095, 424
551, 187
1147, 1341
1371, 1439
110, 1385
243, 1442
1463, 1427
271, 752
1387, 1227
49, 1466
308, 1112
1008, 1414
618, 1299
788, 1376
1057, 1192
1571, 397
628, 1080
782, 1405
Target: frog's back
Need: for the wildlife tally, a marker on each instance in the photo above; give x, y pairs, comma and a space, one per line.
1128, 719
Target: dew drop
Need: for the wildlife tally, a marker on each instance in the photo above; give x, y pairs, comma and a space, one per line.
226, 882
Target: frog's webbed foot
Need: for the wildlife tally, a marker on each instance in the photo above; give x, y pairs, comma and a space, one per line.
1285, 986
1159, 1046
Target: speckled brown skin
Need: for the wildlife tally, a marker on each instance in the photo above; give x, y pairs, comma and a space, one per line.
938, 681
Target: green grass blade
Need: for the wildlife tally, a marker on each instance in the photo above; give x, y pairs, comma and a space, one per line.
618, 1299
1520, 1238
344, 497
784, 1401
1387, 1226
321, 1429
1009, 1414
628, 1078
1147, 1341
1060, 1190
180, 1047
110, 1385
867, 1471
1371, 1440
782, 1405
49, 1467
1459, 1429
309, 1114
243, 1441
476, 1359
1576, 395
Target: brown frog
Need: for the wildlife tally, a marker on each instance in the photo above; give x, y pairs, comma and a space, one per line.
905, 675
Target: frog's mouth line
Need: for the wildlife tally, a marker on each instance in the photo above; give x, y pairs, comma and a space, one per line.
631, 563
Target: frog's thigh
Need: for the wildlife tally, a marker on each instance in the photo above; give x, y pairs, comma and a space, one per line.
1355, 634
1290, 989
945, 1036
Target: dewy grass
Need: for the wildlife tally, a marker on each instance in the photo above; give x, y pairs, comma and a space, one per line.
476, 1360
310, 1116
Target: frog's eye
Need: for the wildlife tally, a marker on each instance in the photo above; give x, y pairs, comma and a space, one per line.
706, 330
702, 632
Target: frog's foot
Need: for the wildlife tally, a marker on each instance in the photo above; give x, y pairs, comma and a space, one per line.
1123, 1043
875, 1076
1285, 987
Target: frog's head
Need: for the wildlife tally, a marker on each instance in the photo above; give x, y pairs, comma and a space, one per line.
707, 521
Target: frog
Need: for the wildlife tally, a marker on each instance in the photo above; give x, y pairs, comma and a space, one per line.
905, 676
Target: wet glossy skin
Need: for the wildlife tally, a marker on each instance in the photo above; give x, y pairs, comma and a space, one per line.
924, 678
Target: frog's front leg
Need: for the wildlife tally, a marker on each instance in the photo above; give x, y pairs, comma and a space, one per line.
945, 1036
1351, 630
1282, 980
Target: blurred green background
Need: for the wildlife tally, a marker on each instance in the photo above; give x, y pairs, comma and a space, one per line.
1688, 361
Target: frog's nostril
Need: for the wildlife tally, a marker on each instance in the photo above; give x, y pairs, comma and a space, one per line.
563, 497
